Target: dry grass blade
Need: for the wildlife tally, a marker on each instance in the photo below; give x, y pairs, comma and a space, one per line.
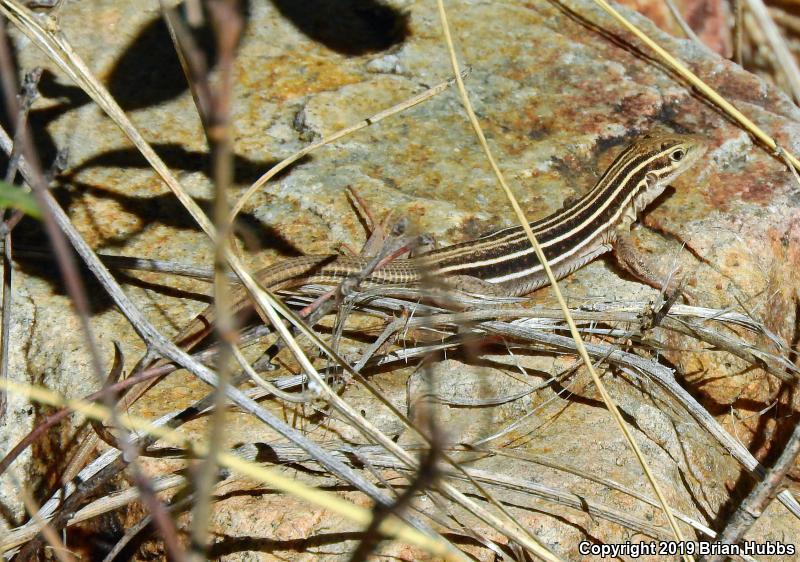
679, 19
785, 59
5, 323
51, 536
214, 106
94, 509
611, 484
29, 94
704, 88
776, 365
57, 417
37, 181
391, 526
738, 31
279, 167
607, 399
754, 505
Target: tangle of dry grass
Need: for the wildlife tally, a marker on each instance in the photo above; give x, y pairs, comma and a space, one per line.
439, 476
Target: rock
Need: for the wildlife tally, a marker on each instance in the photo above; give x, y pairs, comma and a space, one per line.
557, 98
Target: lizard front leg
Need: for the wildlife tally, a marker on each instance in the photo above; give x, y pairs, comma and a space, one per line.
645, 268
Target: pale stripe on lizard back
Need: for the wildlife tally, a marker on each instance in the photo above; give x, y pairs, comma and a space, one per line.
503, 262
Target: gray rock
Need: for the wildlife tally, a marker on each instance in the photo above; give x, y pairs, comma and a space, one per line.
557, 99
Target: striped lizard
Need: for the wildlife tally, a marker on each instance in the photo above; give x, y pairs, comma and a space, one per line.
503, 263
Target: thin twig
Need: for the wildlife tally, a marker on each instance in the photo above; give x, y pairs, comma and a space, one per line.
193, 64
53, 419
132, 532
5, 330
29, 94
141, 264
282, 165
678, 17
788, 64
59, 549
38, 183
38, 186
738, 30
425, 477
67, 509
760, 497
214, 107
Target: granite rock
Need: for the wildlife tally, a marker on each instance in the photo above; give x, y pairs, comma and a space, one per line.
559, 90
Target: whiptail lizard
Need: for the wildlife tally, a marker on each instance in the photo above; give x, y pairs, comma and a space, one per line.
503, 262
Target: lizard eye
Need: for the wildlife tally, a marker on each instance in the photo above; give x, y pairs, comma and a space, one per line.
677, 155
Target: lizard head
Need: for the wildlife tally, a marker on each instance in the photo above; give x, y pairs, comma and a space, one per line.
655, 161
670, 155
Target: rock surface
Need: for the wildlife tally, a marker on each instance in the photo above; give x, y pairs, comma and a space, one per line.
559, 90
